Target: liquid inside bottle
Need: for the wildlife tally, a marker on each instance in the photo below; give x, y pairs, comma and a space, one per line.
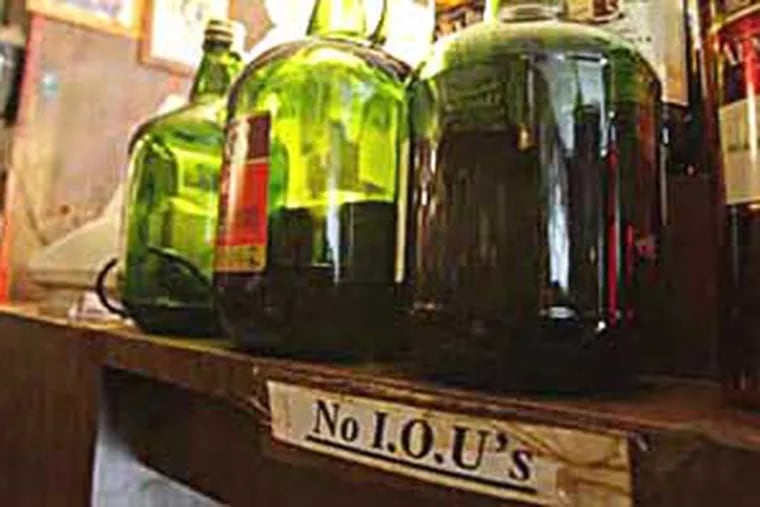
666, 34
307, 256
537, 203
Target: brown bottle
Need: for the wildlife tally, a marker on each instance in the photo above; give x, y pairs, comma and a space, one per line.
536, 208
732, 41
681, 338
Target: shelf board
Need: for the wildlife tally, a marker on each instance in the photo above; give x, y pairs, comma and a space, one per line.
676, 425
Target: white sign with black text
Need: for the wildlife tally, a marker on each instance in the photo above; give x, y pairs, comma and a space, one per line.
538, 464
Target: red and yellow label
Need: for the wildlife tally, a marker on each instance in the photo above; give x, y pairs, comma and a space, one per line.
241, 245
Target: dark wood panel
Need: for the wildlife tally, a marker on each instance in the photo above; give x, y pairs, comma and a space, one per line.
47, 415
209, 445
198, 412
689, 344
218, 370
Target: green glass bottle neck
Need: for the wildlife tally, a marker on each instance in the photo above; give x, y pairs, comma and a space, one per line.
338, 18
380, 35
218, 69
523, 10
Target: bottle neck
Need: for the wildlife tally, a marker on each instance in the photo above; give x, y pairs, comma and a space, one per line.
524, 10
217, 70
380, 36
338, 17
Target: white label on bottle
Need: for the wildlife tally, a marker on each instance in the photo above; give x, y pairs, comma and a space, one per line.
740, 148
536, 464
655, 27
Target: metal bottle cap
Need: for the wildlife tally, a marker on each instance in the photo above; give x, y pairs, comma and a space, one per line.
219, 30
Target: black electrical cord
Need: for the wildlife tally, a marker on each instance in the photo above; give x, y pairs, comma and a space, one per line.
168, 256
100, 289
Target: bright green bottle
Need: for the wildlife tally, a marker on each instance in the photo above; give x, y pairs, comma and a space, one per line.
308, 259
172, 201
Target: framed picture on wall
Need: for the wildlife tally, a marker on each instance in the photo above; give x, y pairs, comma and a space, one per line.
121, 17
173, 32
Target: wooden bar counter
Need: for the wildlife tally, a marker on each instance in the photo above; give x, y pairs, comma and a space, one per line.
201, 413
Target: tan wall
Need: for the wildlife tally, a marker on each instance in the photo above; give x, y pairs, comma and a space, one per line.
84, 92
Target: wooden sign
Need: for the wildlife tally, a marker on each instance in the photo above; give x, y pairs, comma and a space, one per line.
536, 464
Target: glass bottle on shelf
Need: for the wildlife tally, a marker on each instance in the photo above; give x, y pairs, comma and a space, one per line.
308, 260
663, 32
666, 33
732, 37
536, 202
172, 201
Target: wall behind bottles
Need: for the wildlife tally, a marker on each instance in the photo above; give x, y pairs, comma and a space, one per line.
84, 92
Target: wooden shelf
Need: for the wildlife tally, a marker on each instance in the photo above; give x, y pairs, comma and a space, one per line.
198, 411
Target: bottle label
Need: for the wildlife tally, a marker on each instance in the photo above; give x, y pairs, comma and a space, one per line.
655, 27
509, 460
738, 76
243, 197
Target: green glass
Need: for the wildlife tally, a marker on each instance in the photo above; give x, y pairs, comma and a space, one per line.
308, 260
172, 202
537, 208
